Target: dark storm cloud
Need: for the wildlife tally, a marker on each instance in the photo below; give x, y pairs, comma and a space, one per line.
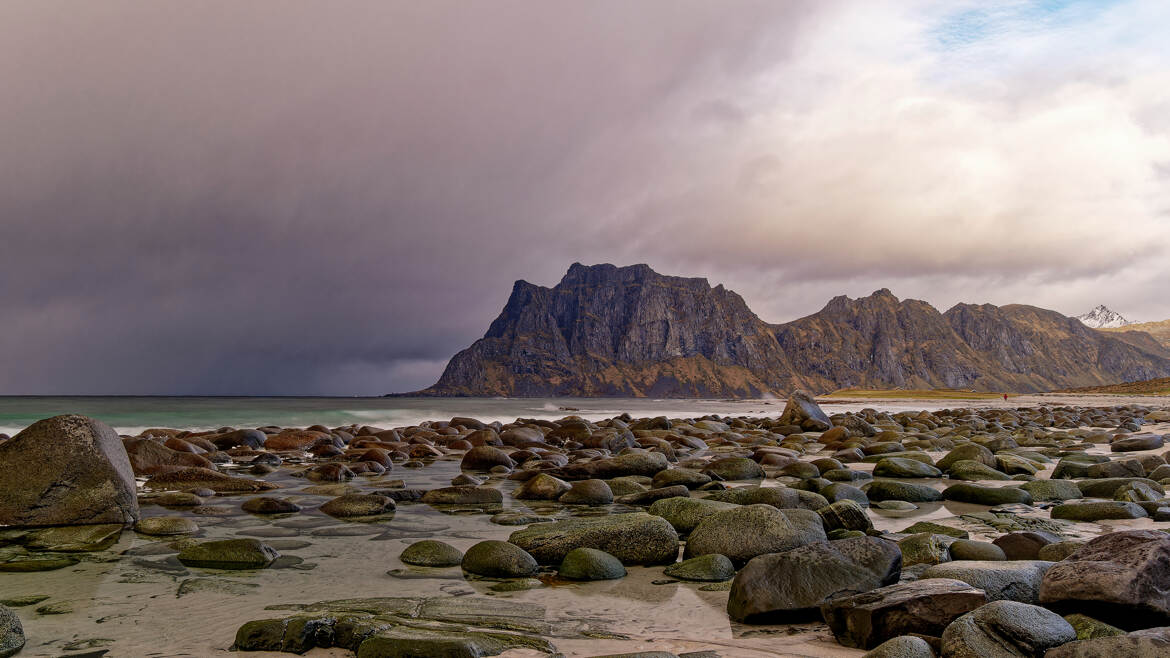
279, 197
296, 197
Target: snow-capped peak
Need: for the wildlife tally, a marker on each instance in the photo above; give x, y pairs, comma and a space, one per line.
1103, 318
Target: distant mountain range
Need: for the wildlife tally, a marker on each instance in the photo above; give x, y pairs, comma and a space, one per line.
629, 331
1103, 318
1159, 330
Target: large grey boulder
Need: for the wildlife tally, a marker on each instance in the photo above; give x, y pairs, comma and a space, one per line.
1146, 643
1006, 629
1012, 580
745, 532
636, 538
790, 586
920, 607
11, 633
1122, 578
66, 470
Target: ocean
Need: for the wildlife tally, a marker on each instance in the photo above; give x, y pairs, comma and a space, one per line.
131, 415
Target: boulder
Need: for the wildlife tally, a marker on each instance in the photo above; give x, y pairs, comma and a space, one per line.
880, 490
734, 468
636, 538
920, 607
269, 505
684, 476
634, 463
1024, 545
66, 470
845, 515
986, 495
74, 538
778, 497
1010, 580
431, 553
925, 548
1052, 490
588, 492
590, 564
898, 467
1137, 442
653, 495
966, 549
148, 457
968, 452
790, 586
686, 513
1146, 643
294, 439
802, 409
353, 505
485, 458
161, 526
969, 469
201, 478
11, 633
745, 532
1122, 578
904, 646
705, 568
542, 486
1106, 487
228, 554
1098, 510
498, 559
1005, 629
463, 495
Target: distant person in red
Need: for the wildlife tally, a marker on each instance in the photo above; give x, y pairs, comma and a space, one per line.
1005, 397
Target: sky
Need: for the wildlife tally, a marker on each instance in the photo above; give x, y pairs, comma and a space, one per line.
287, 197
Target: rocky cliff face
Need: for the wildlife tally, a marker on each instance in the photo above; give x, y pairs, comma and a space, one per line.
629, 331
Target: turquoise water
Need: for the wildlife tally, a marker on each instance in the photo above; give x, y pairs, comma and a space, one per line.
130, 415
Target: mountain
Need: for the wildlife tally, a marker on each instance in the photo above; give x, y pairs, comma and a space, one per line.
1103, 318
1159, 330
629, 331
1148, 387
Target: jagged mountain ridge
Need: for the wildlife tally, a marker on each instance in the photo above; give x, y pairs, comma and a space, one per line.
629, 331
1103, 317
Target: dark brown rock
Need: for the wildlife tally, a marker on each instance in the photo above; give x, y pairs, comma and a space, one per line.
1122, 578
921, 607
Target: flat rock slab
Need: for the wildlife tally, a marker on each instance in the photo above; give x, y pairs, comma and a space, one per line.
922, 607
75, 539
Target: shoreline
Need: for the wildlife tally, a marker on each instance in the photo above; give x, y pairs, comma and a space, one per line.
335, 558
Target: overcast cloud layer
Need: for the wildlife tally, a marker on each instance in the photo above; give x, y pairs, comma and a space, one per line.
333, 198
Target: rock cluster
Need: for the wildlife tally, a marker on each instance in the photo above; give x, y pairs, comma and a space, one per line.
778, 512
